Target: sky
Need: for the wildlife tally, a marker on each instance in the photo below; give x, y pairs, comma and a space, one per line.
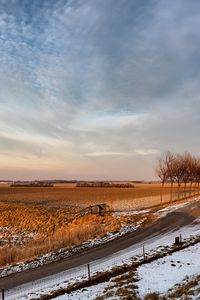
97, 89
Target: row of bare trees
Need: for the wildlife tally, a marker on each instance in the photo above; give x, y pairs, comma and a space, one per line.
182, 169
104, 184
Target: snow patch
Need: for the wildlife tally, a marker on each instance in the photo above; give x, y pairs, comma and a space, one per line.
162, 274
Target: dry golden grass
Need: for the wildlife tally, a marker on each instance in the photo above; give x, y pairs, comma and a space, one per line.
71, 195
47, 211
187, 288
64, 236
41, 219
52, 223
124, 199
152, 296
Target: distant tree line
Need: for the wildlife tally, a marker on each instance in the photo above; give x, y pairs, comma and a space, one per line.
182, 169
104, 184
31, 184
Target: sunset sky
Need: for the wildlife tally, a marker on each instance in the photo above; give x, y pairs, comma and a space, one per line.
97, 89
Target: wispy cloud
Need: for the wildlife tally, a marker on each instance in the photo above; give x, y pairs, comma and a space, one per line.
107, 153
92, 122
135, 152
85, 80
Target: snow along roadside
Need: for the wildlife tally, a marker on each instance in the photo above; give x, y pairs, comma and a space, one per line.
128, 256
171, 270
162, 276
63, 253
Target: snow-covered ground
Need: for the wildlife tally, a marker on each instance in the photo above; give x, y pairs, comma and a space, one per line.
85, 293
63, 279
9, 236
162, 274
189, 288
172, 208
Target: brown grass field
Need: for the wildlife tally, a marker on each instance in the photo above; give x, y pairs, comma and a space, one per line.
71, 195
47, 214
68, 195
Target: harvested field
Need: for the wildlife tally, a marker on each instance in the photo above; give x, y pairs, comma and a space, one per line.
35, 230
36, 220
142, 195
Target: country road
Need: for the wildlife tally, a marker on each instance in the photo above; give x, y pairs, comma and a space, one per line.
180, 216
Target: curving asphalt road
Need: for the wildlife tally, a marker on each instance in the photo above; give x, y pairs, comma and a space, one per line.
182, 216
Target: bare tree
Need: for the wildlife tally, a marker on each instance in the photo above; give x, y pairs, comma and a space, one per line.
179, 168
196, 173
187, 161
161, 172
192, 167
169, 159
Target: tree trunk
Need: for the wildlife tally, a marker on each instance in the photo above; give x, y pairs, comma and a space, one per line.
190, 188
179, 185
171, 189
161, 193
185, 189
